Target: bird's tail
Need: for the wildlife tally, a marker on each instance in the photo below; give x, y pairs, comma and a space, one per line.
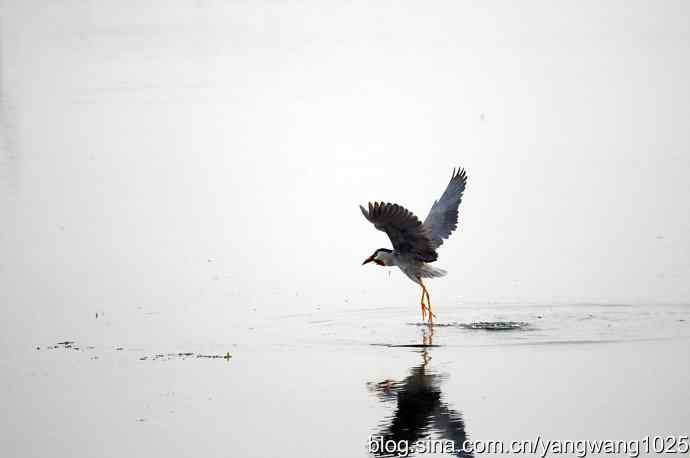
428, 271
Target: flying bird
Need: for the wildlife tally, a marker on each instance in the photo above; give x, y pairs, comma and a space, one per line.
415, 243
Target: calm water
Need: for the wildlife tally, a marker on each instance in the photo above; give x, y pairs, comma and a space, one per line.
328, 383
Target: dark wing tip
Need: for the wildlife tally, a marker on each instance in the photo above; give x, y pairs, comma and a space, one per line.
461, 173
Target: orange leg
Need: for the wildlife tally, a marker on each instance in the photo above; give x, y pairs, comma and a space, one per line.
428, 300
423, 305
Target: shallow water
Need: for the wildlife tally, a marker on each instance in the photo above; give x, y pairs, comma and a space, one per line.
327, 384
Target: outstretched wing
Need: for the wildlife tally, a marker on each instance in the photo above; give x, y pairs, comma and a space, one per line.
442, 219
407, 233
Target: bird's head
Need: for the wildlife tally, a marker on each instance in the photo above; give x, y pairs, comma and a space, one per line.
382, 257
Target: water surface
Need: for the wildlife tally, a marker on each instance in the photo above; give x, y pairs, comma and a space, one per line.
325, 384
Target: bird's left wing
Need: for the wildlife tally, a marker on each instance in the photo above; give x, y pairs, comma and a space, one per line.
407, 233
442, 219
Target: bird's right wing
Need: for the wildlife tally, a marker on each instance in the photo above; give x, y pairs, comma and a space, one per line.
442, 219
407, 233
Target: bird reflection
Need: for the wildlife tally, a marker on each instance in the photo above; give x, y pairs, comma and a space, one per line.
421, 417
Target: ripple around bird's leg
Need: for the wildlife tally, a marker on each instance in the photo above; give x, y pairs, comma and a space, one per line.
485, 325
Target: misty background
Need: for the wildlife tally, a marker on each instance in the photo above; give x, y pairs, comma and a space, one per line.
205, 160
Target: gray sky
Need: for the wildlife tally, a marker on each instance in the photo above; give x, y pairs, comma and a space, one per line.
209, 156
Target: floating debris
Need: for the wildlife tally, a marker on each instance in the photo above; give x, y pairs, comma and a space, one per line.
184, 355
226, 356
67, 345
71, 345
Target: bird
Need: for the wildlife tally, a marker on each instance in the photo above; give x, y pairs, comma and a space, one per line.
415, 242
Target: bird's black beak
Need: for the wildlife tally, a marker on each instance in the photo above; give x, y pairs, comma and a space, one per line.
368, 260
